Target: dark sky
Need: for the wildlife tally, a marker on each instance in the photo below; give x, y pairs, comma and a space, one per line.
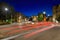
32, 7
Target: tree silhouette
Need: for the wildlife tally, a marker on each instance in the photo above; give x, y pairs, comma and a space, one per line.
6, 14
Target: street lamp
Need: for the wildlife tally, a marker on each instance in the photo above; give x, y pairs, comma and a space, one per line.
44, 12
48, 15
6, 9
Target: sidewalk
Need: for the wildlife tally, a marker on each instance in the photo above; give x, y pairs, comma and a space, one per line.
8, 25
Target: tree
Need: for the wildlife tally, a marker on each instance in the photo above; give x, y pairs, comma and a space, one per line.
40, 17
6, 14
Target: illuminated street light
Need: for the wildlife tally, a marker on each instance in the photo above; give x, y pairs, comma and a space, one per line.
48, 15
6, 9
44, 12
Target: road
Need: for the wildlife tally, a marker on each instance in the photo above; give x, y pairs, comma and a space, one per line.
51, 34
40, 31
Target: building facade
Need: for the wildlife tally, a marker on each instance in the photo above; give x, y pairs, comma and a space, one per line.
34, 18
49, 19
44, 19
56, 12
18, 17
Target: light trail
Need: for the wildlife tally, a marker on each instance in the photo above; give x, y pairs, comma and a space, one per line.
19, 35
37, 31
26, 34
13, 32
27, 27
22, 29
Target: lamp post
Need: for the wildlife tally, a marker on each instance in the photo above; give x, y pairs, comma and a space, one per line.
6, 9
44, 15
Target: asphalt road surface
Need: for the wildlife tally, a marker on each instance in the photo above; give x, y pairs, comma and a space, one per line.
51, 34
40, 31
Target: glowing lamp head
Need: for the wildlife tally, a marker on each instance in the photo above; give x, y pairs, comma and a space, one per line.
6, 9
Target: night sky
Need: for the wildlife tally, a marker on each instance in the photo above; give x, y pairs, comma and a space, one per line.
32, 7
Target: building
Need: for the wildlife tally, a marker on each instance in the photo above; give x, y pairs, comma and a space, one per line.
34, 18
49, 18
30, 18
26, 18
44, 19
56, 12
17, 17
